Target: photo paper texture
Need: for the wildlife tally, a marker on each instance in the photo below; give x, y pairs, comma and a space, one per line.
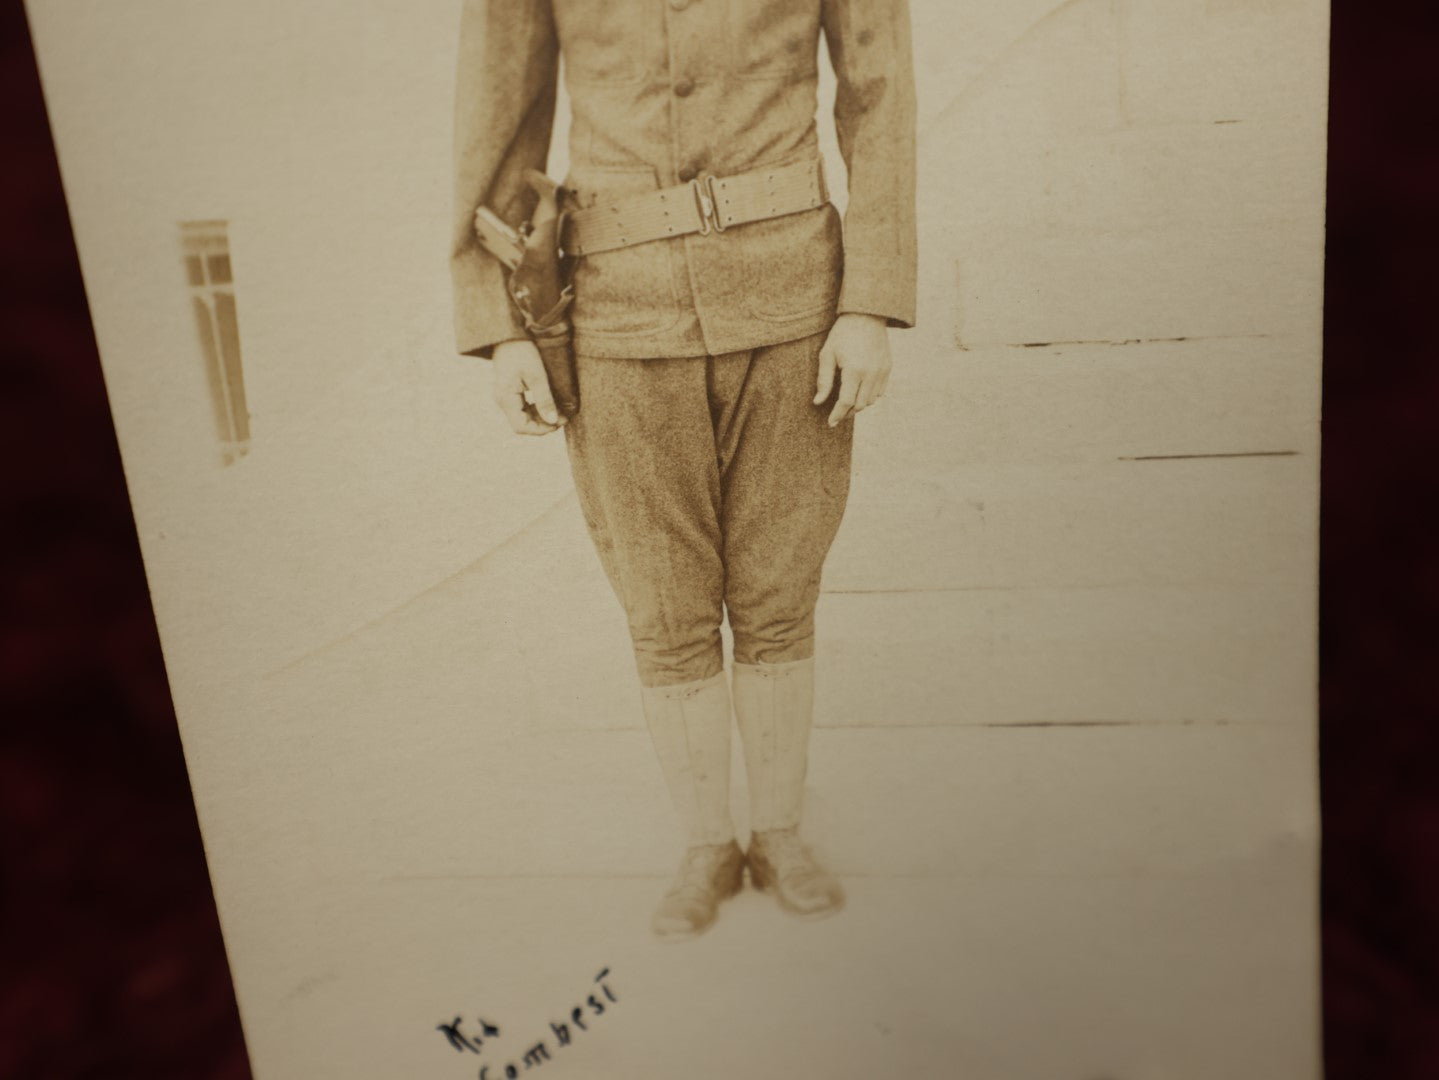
1063, 751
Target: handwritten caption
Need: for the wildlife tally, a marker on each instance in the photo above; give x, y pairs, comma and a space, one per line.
466, 1038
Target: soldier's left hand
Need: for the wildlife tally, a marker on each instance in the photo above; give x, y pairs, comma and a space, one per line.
858, 348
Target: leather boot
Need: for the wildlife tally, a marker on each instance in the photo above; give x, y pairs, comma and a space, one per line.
709, 873
780, 863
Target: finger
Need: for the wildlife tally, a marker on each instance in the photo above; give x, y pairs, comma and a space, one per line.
866, 393
521, 422
824, 384
536, 427
848, 388
512, 404
537, 392
883, 385
530, 424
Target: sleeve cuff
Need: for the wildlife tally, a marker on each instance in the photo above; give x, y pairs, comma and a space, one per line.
883, 287
484, 316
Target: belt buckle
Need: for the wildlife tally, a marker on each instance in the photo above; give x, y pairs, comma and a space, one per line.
705, 200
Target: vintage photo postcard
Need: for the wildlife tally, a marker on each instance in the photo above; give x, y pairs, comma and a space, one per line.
704, 538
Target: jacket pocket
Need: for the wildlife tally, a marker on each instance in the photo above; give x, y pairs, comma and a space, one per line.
794, 263
629, 290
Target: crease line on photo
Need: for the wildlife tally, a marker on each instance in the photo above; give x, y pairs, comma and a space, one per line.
503, 546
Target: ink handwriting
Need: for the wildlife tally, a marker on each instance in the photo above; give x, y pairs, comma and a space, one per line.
461, 1042
472, 1040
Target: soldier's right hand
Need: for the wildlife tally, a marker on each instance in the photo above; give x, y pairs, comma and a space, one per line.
522, 389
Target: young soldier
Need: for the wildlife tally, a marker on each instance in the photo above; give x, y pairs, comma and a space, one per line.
726, 332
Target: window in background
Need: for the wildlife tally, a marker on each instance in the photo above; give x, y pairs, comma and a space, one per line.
212, 295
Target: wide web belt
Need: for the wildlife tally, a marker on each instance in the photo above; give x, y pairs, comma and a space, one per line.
703, 205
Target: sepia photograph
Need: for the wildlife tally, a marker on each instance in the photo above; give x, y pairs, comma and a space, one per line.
697, 538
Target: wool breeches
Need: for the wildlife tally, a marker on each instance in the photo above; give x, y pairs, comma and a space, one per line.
712, 486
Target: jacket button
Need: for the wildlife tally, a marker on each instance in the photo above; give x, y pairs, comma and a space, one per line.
684, 88
688, 173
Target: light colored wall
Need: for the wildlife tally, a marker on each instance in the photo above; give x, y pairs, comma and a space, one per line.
1096, 171
378, 464
1088, 502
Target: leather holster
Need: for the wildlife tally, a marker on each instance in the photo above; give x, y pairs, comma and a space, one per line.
539, 285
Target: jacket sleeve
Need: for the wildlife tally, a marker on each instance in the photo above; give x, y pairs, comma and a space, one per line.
874, 111
505, 91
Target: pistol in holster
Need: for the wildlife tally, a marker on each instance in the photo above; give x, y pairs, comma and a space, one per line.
539, 283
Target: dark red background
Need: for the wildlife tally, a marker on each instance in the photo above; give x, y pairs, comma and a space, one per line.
110, 953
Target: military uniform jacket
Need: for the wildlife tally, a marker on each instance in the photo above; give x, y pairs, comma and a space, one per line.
662, 91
